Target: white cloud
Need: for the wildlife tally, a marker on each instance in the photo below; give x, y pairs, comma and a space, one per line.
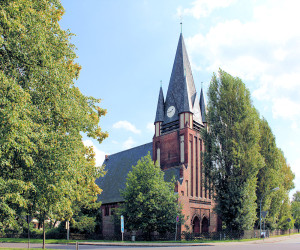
99, 155
264, 50
126, 125
150, 127
285, 108
128, 143
203, 8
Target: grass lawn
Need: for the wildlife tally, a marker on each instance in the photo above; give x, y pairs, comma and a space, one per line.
53, 241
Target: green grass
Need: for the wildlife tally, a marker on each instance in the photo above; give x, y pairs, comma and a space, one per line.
53, 241
25, 240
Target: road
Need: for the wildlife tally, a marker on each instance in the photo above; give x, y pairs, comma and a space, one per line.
282, 243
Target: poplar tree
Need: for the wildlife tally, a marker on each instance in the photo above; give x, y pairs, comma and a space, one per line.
296, 209
232, 159
274, 173
44, 165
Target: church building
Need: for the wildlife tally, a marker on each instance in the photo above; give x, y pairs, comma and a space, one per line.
177, 146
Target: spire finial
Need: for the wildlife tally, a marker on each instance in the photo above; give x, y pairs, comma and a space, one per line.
160, 83
181, 24
201, 85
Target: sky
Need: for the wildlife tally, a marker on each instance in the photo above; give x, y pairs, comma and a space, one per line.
127, 47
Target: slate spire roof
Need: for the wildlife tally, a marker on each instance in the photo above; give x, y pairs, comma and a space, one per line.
160, 113
181, 91
202, 106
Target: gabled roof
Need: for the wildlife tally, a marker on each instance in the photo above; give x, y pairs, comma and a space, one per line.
181, 90
160, 113
118, 166
202, 107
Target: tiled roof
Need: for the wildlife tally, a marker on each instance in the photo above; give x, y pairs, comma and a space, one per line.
118, 166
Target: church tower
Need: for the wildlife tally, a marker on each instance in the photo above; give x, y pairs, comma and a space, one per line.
177, 143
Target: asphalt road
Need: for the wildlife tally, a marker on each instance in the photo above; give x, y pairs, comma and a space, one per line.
282, 243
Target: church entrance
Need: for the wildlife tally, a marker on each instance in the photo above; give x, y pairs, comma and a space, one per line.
196, 225
204, 225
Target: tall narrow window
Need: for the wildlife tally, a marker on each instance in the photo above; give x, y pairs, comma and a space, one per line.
196, 164
106, 210
157, 129
187, 188
158, 156
181, 120
201, 174
182, 148
191, 164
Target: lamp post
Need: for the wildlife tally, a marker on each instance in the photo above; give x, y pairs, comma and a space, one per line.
274, 189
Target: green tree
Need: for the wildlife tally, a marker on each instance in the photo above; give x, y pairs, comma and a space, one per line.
150, 203
296, 209
285, 214
269, 177
43, 115
232, 159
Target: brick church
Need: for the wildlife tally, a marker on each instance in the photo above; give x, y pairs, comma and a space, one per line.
176, 147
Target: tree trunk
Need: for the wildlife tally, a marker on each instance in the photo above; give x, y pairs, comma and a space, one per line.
44, 234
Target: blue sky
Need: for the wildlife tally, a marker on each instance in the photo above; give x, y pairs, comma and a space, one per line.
127, 47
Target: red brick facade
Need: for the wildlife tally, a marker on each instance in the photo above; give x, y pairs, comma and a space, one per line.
196, 201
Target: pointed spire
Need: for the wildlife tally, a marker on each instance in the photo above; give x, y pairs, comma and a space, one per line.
187, 105
181, 91
197, 110
202, 106
160, 107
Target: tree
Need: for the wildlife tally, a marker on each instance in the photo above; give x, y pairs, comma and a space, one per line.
285, 214
232, 159
43, 115
150, 203
296, 209
271, 176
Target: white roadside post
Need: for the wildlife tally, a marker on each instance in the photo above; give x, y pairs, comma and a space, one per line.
122, 227
68, 229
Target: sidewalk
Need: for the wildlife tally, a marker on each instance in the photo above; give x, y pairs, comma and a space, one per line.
154, 244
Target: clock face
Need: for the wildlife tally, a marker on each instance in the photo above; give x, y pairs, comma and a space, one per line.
171, 111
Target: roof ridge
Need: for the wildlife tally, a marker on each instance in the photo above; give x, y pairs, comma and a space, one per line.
130, 149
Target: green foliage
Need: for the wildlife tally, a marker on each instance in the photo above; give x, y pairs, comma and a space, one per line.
285, 214
11, 199
296, 209
232, 158
84, 221
150, 203
45, 168
242, 159
274, 173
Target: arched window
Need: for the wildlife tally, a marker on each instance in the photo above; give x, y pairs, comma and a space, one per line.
196, 225
205, 225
